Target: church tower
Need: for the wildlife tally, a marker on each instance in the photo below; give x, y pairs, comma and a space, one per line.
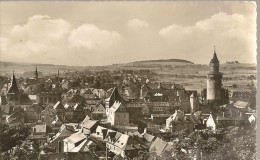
13, 91
36, 74
214, 80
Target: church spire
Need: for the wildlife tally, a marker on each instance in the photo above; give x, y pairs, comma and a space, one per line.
36, 74
58, 76
13, 88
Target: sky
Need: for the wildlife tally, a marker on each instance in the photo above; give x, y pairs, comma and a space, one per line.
103, 33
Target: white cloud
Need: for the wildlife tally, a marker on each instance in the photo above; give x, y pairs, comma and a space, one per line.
41, 29
137, 24
89, 36
40, 35
219, 24
233, 34
48, 40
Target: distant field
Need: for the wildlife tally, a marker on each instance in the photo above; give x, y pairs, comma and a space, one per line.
192, 76
234, 71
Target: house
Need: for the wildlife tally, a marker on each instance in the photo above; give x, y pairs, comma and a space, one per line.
33, 98
48, 115
178, 121
73, 141
252, 120
99, 113
50, 97
159, 119
56, 142
89, 126
211, 122
78, 114
99, 92
124, 145
163, 88
114, 96
159, 147
39, 133
158, 103
184, 101
134, 107
118, 114
65, 85
221, 121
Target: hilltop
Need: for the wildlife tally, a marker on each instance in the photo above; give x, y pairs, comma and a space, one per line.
173, 62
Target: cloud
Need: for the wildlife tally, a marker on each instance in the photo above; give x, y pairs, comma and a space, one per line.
40, 28
233, 34
44, 39
137, 24
89, 36
40, 35
220, 23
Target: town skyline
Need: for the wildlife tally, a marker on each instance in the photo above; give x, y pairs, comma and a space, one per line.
48, 34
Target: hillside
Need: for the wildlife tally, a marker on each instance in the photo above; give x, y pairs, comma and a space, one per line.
164, 60
6, 68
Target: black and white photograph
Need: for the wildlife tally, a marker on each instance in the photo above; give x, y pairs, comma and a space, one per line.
128, 80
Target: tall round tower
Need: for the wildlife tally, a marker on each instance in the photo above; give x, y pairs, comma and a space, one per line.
214, 79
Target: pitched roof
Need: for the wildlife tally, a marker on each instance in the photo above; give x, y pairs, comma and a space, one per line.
24, 99
58, 105
86, 119
122, 141
148, 137
40, 128
241, 104
89, 124
215, 58
75, 137
158, 146
83, 146
118, 107
63, 132
115, 96
100, 109
66, 106
13, 88
177, 116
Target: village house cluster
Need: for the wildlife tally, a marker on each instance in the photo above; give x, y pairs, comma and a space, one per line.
119, 113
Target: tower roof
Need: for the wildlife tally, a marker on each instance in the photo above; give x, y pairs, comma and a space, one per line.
215, 58
36, 73
13, 88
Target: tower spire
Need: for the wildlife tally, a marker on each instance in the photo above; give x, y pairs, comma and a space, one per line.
36, 74
13, 88
215, 58
58, 76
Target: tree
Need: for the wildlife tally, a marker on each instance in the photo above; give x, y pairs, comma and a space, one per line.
11, 137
